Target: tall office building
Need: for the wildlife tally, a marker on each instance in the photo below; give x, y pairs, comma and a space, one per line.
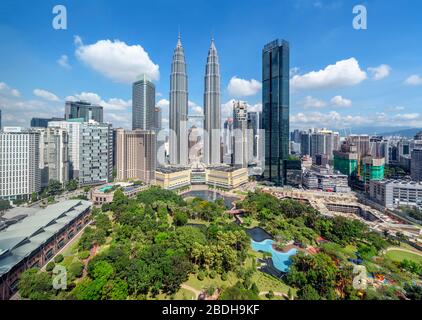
416, 165
240, 134
178, 142
362, 144
0, 121
95, 153
305, 143
136, 155
143, 104
54, 158
83, 110
158, 119
228, 141
19, 163
212, 108
276, 105
324, 142
73, 128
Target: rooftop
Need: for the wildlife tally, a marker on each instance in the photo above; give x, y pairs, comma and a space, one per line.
225, 168
171, 169
19, 240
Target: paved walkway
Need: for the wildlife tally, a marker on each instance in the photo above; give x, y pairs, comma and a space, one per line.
189, 288
404, 250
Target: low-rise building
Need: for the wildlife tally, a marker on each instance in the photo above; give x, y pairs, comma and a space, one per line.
105, 194
33, 241
326, 180
172, 178
395, 193
226, 177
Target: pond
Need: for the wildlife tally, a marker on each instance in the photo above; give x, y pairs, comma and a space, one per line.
262, 241
209, 195
281, 260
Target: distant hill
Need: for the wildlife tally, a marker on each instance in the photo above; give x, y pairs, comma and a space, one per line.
381, 131
410, 133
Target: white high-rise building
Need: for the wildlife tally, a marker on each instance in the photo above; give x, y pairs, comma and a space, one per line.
54, 157
212, 109
19, 163
73, 129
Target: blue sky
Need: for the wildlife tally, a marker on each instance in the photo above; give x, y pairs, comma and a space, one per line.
341, 77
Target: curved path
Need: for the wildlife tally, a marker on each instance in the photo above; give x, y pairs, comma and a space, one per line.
418, 253
193, 290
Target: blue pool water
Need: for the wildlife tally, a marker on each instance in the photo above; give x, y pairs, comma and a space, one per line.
106, 188
281, 260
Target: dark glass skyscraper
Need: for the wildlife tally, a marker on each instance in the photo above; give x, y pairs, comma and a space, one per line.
276, 102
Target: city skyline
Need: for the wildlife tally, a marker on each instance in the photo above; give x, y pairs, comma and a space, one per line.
379, 90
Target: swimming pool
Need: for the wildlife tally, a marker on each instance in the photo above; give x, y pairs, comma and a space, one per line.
105, 189
281, 260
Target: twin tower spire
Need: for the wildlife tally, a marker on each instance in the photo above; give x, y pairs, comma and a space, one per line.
179, 102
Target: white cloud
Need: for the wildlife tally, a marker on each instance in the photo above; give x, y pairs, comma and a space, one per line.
336, 120
311, 102
397, 108
8, 91
77, 41
332, 119
163, 103
227, 110
195, 109
255, 108
47, 95
294, 71
117, 60
111, 104
407, 116
242, 88
380, 72
414, 80
343, 73
64, 62
339, 101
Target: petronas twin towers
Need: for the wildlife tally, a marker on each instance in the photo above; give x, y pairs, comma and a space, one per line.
179, 153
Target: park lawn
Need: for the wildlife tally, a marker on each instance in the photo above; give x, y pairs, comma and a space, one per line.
264, 281
398, 255
217, 282
184, 294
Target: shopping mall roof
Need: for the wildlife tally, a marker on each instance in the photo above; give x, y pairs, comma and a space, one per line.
20, 239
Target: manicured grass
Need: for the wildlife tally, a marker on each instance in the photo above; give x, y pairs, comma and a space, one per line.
184, 294
217, 282
398, 255
267, 283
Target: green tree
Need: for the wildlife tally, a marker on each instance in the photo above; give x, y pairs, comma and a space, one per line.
238, 292
413, 291
35, 285
308, 293
180, 218
72, 185
4, 205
